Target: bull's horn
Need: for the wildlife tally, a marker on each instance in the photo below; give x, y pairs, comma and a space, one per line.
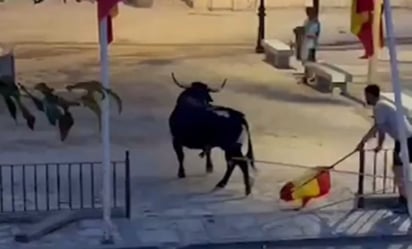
177, 82
218, 89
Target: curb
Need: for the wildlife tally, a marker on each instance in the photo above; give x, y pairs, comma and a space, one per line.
310, 242
288, 243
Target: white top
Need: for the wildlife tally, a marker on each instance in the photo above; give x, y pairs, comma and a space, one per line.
312, 28
385, 118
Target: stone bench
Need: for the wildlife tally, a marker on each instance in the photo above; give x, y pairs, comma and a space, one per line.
327, 76
277, 53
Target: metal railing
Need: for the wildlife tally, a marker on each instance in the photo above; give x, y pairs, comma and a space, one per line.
375, 174
61, 186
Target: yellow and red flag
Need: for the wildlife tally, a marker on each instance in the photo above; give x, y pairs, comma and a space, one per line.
362, 25
313, 184
109, 9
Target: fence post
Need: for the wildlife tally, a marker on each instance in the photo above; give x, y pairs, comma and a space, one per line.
127, 185
361, 176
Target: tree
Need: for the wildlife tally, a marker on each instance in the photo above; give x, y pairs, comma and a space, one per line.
55, 107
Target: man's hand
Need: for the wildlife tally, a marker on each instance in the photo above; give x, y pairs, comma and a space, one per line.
378, 148
360, 146
366, 138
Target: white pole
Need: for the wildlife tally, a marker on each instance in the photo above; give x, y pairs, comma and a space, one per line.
398, 101
105, 106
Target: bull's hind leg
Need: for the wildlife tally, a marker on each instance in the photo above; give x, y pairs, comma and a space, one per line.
209, 164
229, 170
180, 157
233, 159
243, 164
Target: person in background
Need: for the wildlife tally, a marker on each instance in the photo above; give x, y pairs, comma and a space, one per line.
310, 39
384, 113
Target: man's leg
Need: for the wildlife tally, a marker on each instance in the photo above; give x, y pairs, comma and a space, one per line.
312, 58
398, 178
398, 175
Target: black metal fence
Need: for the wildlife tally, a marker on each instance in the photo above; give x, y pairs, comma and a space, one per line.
61, 186
375, 174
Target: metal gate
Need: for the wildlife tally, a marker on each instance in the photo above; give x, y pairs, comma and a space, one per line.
45, 187
375, 175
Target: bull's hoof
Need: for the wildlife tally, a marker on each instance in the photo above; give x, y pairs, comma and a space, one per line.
248, 192
216, 188
219, 186
181, 174
251, 182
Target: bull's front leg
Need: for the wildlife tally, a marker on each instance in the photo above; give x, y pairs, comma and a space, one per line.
209, 164
180, 157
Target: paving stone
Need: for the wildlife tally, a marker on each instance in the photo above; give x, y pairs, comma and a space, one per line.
154, 224
243, 222
192, 231
91, 232
159, 236
175, 212
89, 223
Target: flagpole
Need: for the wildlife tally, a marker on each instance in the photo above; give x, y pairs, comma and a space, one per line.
105, 133
398, 102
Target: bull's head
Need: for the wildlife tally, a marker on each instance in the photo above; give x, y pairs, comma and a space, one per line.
197, 93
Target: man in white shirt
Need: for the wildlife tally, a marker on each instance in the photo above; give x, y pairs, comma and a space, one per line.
385, 123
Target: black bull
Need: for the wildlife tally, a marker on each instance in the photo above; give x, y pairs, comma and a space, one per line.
196, 124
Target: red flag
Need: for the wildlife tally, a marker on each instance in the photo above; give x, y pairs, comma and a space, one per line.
107, 8
362, 25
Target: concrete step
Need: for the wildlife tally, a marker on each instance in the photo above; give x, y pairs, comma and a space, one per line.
381, 201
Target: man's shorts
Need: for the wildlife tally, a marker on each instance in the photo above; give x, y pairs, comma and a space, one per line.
397, 159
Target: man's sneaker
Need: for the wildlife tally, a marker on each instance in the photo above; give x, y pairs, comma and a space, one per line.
401, 207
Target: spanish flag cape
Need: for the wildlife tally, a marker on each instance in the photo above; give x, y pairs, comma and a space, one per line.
362, 25
316, 182
313, 184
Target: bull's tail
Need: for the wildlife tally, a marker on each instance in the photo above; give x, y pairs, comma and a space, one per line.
250, 156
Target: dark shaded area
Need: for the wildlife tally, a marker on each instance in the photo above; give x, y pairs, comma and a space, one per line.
127, 43
399, 40
234, 51
41, 52
265, 60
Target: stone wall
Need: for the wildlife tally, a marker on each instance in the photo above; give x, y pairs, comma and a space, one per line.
270, 4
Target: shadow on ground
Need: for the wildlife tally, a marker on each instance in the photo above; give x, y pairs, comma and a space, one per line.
272, 93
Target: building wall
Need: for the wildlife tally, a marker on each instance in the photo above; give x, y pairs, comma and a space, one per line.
253, 4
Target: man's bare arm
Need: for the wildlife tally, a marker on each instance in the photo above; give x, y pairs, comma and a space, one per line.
381, 138
371, 132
